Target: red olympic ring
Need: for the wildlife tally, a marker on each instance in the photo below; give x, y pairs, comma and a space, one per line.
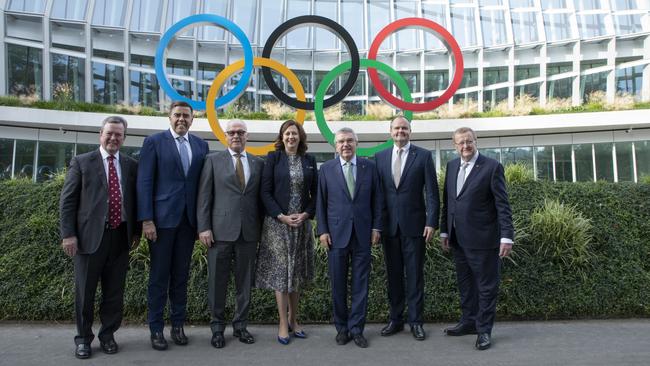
444, 36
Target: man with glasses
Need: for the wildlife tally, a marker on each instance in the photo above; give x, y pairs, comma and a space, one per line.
348, 208
168, 176
476, 222
229, 225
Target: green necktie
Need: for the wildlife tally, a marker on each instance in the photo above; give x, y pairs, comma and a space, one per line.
349, 178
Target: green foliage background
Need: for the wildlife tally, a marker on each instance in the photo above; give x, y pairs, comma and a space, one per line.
36, 278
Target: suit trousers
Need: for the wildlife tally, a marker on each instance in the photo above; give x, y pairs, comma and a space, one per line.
220, 258
107, 265
405, 254
170, 258
357, 257
478, 276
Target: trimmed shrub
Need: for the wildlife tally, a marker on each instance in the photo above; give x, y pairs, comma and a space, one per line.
518, 173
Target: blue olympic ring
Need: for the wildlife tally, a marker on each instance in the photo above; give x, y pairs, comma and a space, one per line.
216, 20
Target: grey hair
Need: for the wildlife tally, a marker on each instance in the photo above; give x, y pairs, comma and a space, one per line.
114, 119
400, 116
230, 123
461, 130
347, 130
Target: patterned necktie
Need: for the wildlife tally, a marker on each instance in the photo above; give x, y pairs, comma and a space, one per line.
397, 168
239, 171
349, 177
461, 177
185, 155
114, 196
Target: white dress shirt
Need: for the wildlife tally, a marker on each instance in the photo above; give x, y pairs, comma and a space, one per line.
244, 163
405, 155
118, 169
354, 166
178, 144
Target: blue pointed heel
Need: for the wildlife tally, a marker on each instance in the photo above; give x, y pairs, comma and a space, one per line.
283, 341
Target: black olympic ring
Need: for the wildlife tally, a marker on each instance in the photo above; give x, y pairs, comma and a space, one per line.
325, 23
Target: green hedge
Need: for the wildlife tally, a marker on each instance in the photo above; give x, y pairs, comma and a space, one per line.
36, 278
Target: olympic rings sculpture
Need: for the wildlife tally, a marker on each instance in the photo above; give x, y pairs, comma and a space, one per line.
299, 101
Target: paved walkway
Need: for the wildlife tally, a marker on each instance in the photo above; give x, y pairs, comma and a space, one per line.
562, 343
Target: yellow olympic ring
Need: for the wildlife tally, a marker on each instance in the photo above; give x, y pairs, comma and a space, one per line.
231, 69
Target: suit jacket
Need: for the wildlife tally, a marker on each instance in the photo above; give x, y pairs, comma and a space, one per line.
416, 202
481, 211
223, 207
164, 192
276, 184
338, 213
83, 206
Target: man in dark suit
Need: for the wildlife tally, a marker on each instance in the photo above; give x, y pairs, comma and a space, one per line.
477, 223
230, 220
168, 177
410, 219
98, 225
348, 207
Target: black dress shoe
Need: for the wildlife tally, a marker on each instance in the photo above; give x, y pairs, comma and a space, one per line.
158, 341
109, 347
342, 338
218, 340
418, 332
243, 336
178, 336
360, 340
483, 341
391, 328
460, 329
83, 351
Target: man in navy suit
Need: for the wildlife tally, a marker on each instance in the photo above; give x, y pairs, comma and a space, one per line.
168, 178
477, 223
410, 219
348, 207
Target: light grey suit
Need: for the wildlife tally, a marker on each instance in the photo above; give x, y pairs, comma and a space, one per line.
235, 219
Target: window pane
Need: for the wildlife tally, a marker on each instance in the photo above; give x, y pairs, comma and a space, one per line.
31, 6
495, 75
406, 39
146, 15
300, 37
642, 151
436, 80
352, 20
491, 98
589, 4
494, 153
624, 163
521, 154
562, 88
470, 78
437, 13
144, 89
325, 40
592, 25
109, 12
446, 156
563, 163
378, 18
84, 148
53, 157
271, 18
68, 74
463, 26
544, 161
69, 9
629, 80
557, 27
25, 159
604, 162
6, 158
493, 23
108, 83
524, 27
179, 9
584, 163
526, 72
626, 24
553, 4
593, 83
213, 33
25, 75
244, 16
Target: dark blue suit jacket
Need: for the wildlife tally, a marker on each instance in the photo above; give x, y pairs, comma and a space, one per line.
164, 191
481, 212
276, 184
416, 202
337, 213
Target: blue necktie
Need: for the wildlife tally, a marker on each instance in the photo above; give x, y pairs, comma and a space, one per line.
185, 155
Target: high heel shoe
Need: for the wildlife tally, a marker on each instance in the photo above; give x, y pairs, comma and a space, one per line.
300, 334
283, 341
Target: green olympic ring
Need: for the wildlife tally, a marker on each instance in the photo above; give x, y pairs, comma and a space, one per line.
329, 78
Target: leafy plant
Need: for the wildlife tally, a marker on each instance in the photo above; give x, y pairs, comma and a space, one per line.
517, 173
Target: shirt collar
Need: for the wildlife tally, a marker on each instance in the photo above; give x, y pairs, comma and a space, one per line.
353, 160
471, 161
176, 136
232, 153
405, 148
105, 153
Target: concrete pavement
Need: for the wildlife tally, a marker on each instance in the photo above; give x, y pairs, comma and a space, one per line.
590, 342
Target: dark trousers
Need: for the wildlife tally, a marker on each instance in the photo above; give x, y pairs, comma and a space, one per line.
170, 266
220, 258
356, 256
478, 276
107, 265
405, 254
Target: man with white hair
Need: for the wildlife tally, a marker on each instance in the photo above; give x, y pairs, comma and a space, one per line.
229, 224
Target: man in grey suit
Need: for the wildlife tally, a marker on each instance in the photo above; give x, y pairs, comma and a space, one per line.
98, 225
229, 217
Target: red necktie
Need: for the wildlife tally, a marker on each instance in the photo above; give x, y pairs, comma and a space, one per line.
114, 195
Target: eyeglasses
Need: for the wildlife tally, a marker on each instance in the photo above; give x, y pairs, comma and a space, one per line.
467, 143
239, 133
